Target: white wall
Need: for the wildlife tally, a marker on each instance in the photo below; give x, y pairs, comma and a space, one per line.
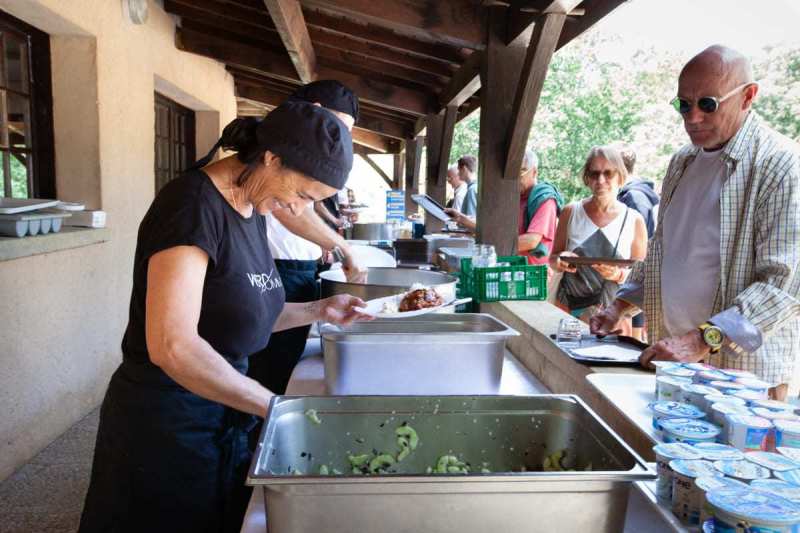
62, 315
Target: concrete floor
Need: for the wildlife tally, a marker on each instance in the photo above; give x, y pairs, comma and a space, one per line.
46, 495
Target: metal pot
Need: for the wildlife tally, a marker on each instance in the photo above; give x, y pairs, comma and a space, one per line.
370, 232
387, 282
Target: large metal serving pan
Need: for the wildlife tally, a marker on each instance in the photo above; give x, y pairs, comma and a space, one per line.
508, 434
428, 354
372, 231
387, 282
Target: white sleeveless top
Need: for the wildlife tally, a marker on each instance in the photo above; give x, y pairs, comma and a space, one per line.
581, 228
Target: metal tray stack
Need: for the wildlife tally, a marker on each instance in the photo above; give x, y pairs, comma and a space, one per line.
429, 354
510, 436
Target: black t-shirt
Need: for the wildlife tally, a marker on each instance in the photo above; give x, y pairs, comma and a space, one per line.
242, 293
332, 204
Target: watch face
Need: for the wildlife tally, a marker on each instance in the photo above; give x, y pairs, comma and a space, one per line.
712, 336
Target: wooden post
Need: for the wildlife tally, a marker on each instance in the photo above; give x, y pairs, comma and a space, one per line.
413, 161
540, 50
498, 199
397, 176
433, 145
450, 116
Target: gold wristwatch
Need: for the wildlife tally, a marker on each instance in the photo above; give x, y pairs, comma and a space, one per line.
712, 336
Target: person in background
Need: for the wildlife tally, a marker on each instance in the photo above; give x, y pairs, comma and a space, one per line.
459, 188
171, 451
296, 244
467, 168
640, 195
599, 226
328, 210
540, 204
721, 282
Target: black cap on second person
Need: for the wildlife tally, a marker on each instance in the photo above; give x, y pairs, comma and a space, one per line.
330, 94
308, 140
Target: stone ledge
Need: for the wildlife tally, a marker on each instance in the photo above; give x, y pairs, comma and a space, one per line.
67, 238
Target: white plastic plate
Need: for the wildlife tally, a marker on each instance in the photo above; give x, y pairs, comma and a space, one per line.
375, 307
10, 206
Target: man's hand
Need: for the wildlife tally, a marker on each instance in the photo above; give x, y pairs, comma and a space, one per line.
608, 320
687, 348
608, 272
462, 219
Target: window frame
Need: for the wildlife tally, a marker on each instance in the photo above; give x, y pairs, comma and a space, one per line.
41, 180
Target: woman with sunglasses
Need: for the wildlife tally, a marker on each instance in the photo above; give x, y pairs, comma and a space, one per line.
598, 226
171, 452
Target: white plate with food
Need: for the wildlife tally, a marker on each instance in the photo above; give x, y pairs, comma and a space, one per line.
416, 301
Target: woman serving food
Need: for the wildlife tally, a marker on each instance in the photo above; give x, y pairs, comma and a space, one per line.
171, 451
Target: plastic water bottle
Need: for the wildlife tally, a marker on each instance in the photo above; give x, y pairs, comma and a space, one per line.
490, 255
478, 259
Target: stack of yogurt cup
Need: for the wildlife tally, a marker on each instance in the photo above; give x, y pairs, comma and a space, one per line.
730, 460
699, 403
689, 474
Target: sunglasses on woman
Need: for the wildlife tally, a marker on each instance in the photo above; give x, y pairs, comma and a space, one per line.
706, 104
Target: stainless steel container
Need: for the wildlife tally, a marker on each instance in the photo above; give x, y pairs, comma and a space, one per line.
386, 282
511, 436
372, 231
428, 354
440, 240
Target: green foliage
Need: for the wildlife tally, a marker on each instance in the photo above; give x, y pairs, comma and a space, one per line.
465, 137
779, 99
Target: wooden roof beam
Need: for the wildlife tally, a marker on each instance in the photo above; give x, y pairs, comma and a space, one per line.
365, 156
455, 22
524, 13
272, 64
288, 19
464, 83
366, 121
595, 10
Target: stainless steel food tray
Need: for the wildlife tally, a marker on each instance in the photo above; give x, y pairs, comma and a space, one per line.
507, 433
429, 354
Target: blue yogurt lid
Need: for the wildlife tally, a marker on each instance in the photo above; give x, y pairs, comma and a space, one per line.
677, 450
782, 488
676, 409
690, 429
714, 451
755, 506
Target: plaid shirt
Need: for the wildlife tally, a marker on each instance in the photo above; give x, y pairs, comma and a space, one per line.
756, 303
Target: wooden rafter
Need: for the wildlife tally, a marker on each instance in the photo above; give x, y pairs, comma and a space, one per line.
464, 83
523, 14
375, 167
456, 22
448, 127
595, 10
531, 80
288, 19
274, 65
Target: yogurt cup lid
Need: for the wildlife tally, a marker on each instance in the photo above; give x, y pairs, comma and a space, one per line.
792, 426
697, 388
714, 451
742, 469
727, 385
736, 373
730, 409
748, 394
755, 506
779, 487
693, 469
673, 380
676, 409
791, 453
677, 450
698, 367
773, 405
679, 371
753, 383
718, 397
707, 483
774, 415
773, 461
751, 421
665, 364
714, 375
790, 476
689, 428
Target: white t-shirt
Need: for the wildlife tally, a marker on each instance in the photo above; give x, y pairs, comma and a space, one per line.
691, 257
582, 228
286, 245
458, 196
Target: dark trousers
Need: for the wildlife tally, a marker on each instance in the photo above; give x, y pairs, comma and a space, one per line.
273, 366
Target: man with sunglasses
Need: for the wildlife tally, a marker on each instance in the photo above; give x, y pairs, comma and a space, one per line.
720, 282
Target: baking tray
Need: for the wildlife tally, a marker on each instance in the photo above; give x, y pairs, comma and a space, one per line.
588, 341
431, 354
11, 206
578, 261
512, 435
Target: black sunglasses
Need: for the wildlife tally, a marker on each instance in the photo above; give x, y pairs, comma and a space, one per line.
706, 104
